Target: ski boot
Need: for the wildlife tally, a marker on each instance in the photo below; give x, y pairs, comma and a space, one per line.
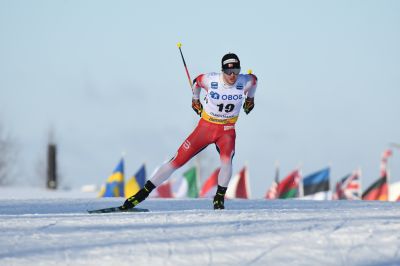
219, 198
140, 196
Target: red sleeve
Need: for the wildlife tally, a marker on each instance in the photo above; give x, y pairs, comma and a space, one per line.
199, 81
253, 79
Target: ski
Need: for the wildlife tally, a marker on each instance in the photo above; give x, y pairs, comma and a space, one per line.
117, 209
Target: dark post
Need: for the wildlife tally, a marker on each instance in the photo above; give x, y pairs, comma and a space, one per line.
52, 166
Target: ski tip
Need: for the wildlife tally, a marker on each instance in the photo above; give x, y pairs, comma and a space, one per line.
179, 45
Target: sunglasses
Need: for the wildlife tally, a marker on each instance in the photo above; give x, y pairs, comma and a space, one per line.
230, 71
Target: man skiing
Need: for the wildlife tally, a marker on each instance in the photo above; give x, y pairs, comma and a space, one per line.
225, 93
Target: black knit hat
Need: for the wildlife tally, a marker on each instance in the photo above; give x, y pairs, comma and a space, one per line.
230, 61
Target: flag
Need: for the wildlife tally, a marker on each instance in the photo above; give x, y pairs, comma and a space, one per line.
316, 183
239, 185
136, 182
272, 192
384, 161
394, 191
186, 186
379, 189
114, 186
209, 187
163, 191
289, 186
348, 188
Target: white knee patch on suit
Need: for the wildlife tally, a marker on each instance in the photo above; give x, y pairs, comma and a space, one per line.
162, 173
225, 173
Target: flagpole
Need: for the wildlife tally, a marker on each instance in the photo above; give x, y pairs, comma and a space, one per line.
277, 171
277, 178
301, 185
359, 172
396, 146
387, 153
385, 168
330, 174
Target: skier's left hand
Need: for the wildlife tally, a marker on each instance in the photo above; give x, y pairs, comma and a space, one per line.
248, 105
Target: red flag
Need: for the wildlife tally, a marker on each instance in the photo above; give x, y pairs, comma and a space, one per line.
241, 189
239, 185
289, 186
164, 190
210, 186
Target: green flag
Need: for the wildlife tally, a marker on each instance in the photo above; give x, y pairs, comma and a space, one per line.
191, 179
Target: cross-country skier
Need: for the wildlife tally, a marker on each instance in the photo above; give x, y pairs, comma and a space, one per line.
225, 93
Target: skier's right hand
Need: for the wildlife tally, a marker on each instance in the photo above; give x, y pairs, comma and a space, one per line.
197, 106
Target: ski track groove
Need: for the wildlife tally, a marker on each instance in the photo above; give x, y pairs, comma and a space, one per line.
47, 226
263, 254
331, 243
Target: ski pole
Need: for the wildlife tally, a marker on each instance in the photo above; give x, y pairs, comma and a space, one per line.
184, 64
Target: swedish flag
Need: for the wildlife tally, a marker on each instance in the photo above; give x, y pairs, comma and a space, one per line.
115, 183
136, 182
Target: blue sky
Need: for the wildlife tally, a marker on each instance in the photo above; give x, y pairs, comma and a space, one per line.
106, 77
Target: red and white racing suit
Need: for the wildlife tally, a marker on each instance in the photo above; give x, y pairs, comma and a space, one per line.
222, 105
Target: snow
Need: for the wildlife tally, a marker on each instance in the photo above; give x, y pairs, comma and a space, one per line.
43, 229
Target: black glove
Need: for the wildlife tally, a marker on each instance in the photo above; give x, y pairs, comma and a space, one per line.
197, 106
248, 105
